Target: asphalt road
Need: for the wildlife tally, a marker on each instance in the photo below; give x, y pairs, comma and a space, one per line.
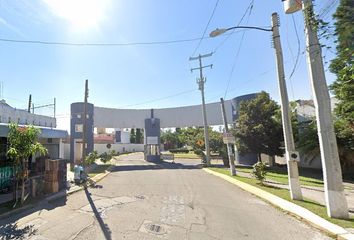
140, 200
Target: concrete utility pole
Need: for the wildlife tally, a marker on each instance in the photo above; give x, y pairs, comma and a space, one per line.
201, 82
293, 171
29, 103
229, 145
337, 206
84, 124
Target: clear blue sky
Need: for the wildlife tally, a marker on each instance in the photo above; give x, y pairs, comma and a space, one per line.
121, 76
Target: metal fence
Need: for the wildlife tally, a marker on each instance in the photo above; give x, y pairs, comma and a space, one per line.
6, 174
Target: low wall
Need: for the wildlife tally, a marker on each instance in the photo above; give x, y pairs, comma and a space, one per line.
131, 147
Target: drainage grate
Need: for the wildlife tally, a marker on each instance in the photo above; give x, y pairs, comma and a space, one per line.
154, 228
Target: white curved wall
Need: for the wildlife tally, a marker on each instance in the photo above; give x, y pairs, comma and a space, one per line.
188, 116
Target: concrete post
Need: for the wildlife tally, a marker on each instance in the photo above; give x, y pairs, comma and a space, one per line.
293, 171
229, 145
337, 206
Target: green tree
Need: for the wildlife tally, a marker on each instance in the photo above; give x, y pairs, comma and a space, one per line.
138, 135
343, 64
132, 135
169, 139
257, 129
215, 141
23, 143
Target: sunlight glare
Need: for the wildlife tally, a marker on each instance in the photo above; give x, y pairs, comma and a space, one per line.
81, 14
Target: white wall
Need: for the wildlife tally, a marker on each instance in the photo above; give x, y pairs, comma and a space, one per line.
188, 116
124, 135
23, 117
306, 161
101, 147
66, 150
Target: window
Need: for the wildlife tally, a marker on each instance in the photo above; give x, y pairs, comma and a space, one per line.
78, 115
78, 127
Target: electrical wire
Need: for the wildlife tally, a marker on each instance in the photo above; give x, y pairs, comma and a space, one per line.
249, 10
297, 56
238, 24
100, 44
206, 28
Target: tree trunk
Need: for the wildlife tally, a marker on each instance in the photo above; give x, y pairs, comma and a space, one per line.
259, 157
23, 181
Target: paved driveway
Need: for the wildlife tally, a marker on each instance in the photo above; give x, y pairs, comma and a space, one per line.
140, 200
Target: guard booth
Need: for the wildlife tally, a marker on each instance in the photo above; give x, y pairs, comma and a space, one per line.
152, 139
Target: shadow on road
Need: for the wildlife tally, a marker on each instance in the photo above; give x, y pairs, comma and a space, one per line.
157, 166
12, 231
104, 227
9, 228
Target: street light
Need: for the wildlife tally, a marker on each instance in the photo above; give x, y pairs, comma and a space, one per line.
293, 172
220, 31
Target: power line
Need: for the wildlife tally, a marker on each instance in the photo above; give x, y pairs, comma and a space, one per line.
238, 24
206, 27
249, 10
101, 44
297, 56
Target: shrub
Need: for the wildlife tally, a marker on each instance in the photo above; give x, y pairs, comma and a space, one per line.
105, 157
114, 153
259, 171
179, 150
199, 152
91, 157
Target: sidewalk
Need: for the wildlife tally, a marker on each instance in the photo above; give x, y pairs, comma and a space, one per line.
313, 193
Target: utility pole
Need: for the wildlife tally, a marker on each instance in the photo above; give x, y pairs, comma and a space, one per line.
229, 145
55, 107
291, 155
336, 203
29, 103
84, 117
200, 83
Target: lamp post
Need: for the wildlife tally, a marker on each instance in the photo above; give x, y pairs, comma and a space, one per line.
293, 171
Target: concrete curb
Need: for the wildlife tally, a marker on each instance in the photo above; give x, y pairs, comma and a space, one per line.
290, 207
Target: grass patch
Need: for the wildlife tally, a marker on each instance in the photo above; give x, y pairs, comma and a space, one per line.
190, 155
99, 169
313, 206
281, 177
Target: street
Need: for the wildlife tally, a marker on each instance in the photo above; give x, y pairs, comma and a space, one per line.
141, 200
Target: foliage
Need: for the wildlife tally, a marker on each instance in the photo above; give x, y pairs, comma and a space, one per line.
23, 143
138, 136
309, 144
259, 171
179, 150
308, 139
169, 139
191, 137
257, 129
132, 136
91, 157
215, 141
114, 153
105, 157
343, 66
199, 152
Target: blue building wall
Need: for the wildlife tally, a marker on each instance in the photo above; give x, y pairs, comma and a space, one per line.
77, 110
